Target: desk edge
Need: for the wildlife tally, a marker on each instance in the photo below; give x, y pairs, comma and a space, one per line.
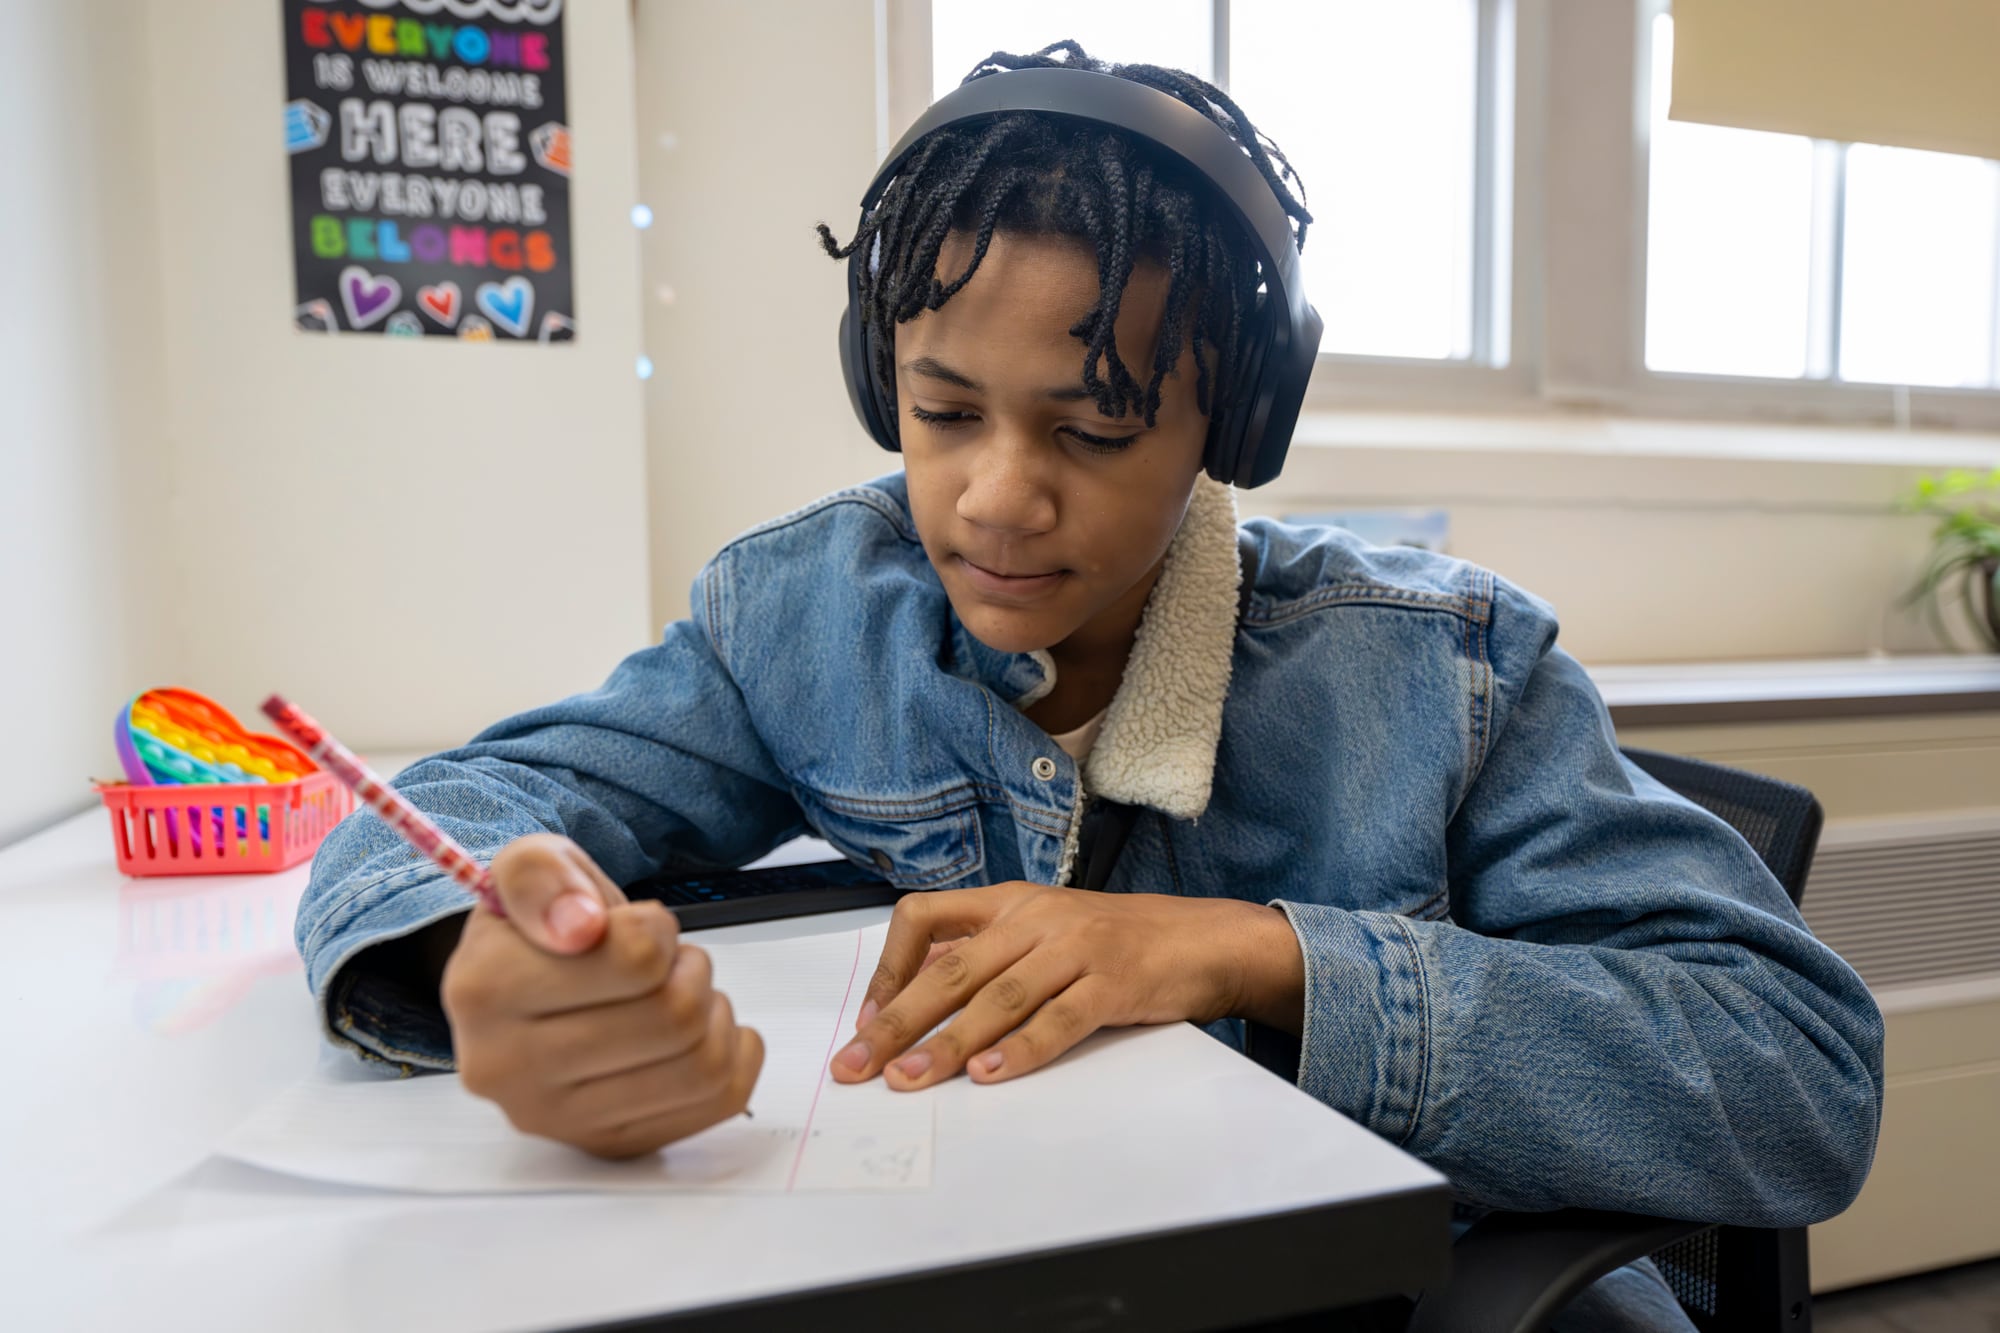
1262, 1267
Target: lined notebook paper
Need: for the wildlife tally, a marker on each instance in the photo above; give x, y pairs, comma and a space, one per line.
429, 1135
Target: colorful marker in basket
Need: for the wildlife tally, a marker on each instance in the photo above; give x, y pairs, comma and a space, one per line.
387, 802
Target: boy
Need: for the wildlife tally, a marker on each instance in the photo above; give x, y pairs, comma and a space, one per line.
1365, 798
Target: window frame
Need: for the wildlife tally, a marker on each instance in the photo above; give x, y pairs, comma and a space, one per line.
1596, 356
1551, 164
1500, 372
1499, 236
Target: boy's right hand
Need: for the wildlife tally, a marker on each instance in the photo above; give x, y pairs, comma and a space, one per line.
583, 1015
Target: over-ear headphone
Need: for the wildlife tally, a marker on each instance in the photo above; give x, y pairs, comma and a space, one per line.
1281, 336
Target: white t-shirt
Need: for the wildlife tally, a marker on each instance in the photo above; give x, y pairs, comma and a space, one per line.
1076, 744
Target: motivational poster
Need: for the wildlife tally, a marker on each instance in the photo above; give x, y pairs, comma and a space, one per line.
430, 153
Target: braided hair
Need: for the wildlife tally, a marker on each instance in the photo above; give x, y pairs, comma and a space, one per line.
1029, 173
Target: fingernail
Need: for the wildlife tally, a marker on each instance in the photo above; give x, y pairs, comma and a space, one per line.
571, 913
868, 1010
913, 1066
990, 1061
854, 1058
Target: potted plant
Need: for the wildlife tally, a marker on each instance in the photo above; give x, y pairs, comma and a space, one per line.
1965, 550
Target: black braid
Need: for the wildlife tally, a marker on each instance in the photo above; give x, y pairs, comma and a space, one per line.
1035, 174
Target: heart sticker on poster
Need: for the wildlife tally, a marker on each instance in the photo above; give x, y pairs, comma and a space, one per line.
368, 299
550, 144
403, 324
306, 125
316, 316
440, 302
509, 304
475, 330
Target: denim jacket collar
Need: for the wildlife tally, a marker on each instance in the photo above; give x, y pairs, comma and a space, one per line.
1018, 678
1160, 734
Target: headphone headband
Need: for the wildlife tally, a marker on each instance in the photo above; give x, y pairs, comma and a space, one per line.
1250, 449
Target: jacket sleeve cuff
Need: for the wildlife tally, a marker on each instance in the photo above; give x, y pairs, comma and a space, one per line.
1365, 1046
379, 1018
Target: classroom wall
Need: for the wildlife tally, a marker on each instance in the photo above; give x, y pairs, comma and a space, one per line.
756, 120
80, 463
411, 538
195, 493
770, 115
1661, 541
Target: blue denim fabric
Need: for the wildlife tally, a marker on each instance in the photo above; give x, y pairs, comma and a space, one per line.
1634, 1299
1526, 961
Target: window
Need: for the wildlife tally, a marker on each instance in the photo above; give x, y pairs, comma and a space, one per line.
1603, 257
1379, 103
1920, 237
1375, 102
1776, 256
1730, 214
1180, 33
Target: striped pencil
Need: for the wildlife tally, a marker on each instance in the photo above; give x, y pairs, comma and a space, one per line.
386, 801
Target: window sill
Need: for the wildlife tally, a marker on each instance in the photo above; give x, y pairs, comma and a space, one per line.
1708, 693
1604, 436
1478, 461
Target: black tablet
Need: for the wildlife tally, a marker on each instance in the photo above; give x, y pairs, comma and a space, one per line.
731, 897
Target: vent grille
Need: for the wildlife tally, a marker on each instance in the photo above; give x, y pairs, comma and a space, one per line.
1909, 901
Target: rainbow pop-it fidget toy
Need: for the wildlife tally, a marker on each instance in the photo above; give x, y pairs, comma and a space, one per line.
168, 737
206, 797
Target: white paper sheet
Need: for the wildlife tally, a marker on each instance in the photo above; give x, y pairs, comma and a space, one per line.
428, 1135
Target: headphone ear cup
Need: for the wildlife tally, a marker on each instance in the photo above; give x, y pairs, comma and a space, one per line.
1232, 446
888, 428
857, 369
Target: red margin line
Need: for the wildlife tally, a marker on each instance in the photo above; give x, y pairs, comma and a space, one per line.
805, 1135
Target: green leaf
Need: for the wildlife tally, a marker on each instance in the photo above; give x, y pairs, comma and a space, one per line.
1965, 536
1936, 568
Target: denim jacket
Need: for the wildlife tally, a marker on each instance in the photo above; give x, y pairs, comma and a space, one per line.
1526, 962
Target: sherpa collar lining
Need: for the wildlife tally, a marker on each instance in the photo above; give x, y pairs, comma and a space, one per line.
1160, 734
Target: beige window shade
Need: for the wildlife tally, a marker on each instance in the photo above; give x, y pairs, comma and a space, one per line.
1912, 73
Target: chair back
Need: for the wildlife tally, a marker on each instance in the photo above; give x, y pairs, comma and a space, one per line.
1741, 1278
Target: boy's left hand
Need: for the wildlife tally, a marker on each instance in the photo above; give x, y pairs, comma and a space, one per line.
1056, 964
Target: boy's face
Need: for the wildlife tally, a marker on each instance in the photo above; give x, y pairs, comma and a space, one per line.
1038, 516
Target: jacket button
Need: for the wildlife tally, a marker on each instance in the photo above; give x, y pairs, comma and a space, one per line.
881, 860
1044, 767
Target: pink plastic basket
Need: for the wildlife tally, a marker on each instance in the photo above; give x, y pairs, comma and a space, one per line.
223, 828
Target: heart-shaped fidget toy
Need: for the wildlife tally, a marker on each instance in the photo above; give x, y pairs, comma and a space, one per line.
174, 736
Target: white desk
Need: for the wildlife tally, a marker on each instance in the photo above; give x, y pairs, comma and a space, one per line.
140, 1019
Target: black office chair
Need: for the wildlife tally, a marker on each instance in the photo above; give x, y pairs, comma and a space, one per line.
1514, 1272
